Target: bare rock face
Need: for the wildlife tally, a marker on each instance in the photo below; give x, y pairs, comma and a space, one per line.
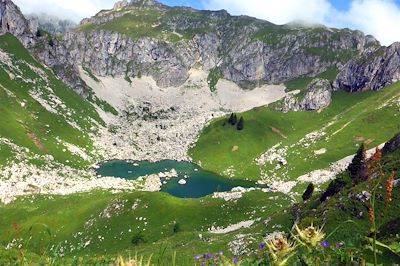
171, 41
373, 69
12, 21
317, 96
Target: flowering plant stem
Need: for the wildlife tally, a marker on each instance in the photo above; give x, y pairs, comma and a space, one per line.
373, 224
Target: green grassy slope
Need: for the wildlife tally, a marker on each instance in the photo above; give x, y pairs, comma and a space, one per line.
26, 122
351, 119
96, 227
108, 222
337, 211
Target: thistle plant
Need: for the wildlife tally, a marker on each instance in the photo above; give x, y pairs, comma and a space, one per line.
375, 169
310, 236
373, 166
280, 250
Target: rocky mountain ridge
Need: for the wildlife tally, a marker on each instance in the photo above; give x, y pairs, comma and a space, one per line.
146, 38
373, 69
245, 50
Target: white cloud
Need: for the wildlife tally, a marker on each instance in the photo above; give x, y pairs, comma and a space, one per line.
278, 12
66, 9
381, 18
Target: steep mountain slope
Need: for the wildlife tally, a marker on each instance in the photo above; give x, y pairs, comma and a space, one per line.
47, 132
38, 111
347, 214
279, 148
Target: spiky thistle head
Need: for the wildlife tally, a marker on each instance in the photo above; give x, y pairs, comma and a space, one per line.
280, 249
311, 235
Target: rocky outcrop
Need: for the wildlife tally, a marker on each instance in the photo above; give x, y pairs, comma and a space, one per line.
12, 21
392, 145
120, 4
373, 69
317, 96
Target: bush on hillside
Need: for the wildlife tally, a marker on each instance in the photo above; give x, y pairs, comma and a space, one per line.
336, 186
309, 192
138, 238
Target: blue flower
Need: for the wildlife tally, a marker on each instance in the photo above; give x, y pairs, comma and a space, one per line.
262, 245
203, 262
340, 244
325, 244
197, 258
235, 260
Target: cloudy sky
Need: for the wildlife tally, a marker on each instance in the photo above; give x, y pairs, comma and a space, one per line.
380, 18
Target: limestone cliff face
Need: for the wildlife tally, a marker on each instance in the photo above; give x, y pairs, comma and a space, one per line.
148, 38
144, 37
12, 21
373, 69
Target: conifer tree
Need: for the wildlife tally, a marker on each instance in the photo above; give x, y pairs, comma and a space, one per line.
234, 120
240, 125
308, 193
230, 120
358, 169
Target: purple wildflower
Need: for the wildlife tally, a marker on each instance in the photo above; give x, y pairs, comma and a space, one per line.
325, 244
262, 245
203, 262
197, 258
340, 245
235, 260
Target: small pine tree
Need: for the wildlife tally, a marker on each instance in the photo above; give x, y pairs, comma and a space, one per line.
358, 168
230, 120
308, 193
234, 120
137, 239
240, 125
177, 228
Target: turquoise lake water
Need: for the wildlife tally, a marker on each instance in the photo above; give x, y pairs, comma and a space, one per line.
200, 183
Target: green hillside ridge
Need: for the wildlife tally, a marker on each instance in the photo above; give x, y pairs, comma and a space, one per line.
27, 123
349, 120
